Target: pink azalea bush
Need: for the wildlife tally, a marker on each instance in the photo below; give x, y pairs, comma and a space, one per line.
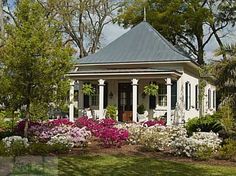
104, 130
150, 123
56, 130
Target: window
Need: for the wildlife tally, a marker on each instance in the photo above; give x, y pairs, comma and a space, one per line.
152, 102
187, 95
162, 95
95, 97
214, 99
209, 98
196, 97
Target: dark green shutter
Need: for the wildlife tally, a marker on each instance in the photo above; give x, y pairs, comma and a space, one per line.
173, 94
105, 95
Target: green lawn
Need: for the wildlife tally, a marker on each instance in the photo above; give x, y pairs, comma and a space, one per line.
123, 165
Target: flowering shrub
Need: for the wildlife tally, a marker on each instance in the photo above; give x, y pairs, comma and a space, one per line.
75, 136
150, 123
59, 122
104, 130
158, 138
135, 131
21, 125
15, 145
196, 146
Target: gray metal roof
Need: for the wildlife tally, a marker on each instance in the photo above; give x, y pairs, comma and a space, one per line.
141, 44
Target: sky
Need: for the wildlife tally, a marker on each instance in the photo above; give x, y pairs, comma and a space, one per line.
113, 31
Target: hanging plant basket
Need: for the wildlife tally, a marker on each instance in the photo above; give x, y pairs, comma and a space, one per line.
151, 89
88, 89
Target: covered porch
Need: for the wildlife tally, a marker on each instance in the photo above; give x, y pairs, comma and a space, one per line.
124, 88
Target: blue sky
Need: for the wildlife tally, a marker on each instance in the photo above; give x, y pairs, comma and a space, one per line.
113, 31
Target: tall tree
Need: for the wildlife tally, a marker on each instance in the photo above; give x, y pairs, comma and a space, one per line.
1, 22
82, 20
190, 24
34, 59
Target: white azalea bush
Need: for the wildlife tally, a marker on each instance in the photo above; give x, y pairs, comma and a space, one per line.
15, 145
200, 146
135, 130
159, 138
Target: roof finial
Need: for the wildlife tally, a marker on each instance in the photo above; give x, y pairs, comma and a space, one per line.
144, 14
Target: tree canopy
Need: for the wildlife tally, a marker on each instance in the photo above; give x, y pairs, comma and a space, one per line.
190, 24
33, 60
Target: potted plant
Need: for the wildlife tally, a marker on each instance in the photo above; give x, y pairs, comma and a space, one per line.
151, 89
142, 113
111, 112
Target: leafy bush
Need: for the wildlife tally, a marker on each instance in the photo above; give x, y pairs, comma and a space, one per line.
39, 148
111, 112
204, 124
16, 145
3, 151
7, 133
228, 150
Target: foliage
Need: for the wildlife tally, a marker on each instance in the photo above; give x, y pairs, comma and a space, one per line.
228, 150
38, 148
225, 114
204, 124
4, 134
182, 22
225, 75
88, 89
88, 18
35, 60
16, 145
3, 151
111, 111
151, 89
141, 109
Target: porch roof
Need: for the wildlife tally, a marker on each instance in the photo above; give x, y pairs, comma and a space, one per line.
124, 73
141, 44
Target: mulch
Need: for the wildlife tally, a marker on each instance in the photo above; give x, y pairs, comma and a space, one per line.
96, 149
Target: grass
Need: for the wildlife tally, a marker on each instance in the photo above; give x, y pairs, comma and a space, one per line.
122, 165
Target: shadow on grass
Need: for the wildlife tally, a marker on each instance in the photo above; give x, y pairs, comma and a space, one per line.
133, 165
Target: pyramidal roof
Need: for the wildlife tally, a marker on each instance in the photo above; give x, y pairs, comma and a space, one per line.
140, 44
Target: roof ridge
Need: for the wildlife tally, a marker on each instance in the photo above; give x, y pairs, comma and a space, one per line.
170, 45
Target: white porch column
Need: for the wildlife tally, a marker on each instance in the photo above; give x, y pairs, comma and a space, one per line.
71, 106
135, 98
101, 97
168, 84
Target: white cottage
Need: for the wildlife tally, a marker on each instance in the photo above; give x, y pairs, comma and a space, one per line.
120, 71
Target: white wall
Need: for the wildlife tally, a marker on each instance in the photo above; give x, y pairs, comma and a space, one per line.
193, 80
211, 109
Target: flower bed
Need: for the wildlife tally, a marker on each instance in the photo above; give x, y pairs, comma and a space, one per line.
105, 131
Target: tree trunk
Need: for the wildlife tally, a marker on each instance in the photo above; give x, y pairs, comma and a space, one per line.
218, 40
27, 117
200, 50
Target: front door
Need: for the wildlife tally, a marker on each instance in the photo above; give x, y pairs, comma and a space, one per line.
124, 102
